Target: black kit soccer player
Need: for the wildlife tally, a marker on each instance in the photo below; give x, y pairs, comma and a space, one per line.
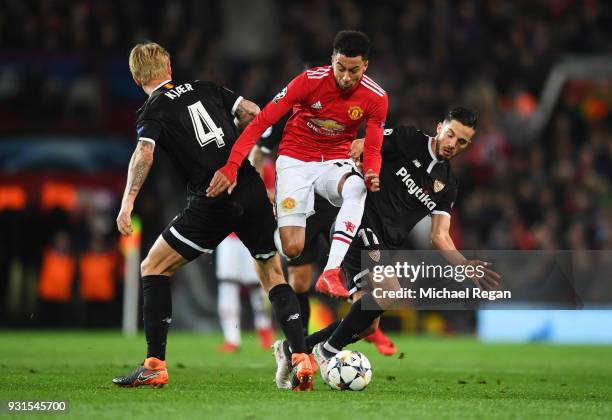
193, 122
418, 182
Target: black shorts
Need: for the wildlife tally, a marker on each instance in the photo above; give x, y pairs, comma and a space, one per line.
318, 228
355, 270
205, 222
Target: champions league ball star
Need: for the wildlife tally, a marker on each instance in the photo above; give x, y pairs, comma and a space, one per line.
349, 371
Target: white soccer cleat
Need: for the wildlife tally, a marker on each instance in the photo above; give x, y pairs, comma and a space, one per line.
283, 365
322, 361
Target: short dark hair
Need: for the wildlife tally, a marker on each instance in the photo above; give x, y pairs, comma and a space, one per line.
465, 116
352, 44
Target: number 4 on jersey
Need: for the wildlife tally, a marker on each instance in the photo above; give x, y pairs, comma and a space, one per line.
207, 132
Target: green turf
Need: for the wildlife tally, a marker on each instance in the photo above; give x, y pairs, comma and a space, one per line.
435, 378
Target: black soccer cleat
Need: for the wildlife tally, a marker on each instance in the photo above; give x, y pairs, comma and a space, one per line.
151, 373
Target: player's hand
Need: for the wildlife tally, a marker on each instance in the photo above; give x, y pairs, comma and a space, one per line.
372, 181
356, 151
124, 220
218, 184
484, 278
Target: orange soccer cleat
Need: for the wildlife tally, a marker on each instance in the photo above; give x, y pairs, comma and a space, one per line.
331, 282
228, 348
304, 368
151, 373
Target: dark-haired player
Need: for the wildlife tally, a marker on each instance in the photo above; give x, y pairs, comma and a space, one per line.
193, 122
418, 182
329, 104
317, 239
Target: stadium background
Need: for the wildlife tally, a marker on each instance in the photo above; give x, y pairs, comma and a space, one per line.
67, 111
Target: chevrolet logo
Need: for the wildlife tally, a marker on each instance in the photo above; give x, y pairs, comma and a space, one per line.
328, 124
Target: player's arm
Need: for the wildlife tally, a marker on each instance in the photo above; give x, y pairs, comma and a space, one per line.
245, 112
442, 241
388, 144
225, 177
140, 164
372, 144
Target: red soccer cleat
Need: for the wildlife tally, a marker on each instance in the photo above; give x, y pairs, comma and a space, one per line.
383, 344
331, 283
228, 348
266, 338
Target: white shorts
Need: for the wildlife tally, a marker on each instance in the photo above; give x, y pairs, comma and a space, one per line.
234, 262
298, 181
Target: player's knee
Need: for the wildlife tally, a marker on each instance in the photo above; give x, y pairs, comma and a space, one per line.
353, 188
292, 248
151, 267
146, 267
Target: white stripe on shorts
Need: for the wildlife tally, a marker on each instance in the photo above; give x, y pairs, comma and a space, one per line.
188, 242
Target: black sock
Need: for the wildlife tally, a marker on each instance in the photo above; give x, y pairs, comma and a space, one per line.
356, 321
287, 311
157, 313
304, 310
321, 335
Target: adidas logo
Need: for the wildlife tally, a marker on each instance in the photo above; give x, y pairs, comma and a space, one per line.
416, 163
316, 105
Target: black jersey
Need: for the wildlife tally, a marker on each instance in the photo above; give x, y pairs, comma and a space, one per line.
193, 122
414, 184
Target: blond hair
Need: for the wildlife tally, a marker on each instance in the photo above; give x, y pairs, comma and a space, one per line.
148, 61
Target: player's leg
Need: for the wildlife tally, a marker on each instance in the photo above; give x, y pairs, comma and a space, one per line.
301, 268
261, 317
199, 228
300, 277
347, 187
256, 232
228, 308
156, 269
361, 320
294, 204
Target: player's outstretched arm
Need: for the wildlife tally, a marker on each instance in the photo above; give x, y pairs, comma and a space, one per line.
442, 241
225, 177
140, 164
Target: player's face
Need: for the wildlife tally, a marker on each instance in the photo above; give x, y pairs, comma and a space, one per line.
452, 138
348, 70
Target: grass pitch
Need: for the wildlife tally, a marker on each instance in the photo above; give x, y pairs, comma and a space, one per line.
429, 378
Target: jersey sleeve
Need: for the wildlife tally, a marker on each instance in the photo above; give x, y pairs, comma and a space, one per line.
447, 202
292, 94
148, 128
374, 136
230, 99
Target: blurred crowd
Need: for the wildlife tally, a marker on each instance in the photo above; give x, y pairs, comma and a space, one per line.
63, 69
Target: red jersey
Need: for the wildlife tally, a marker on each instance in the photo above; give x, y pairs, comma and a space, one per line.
325, 119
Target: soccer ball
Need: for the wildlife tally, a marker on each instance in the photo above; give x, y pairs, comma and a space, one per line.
349, 371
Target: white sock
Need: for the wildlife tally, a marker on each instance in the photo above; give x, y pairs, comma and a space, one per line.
261, 319
347, 221
330, 348
229, 311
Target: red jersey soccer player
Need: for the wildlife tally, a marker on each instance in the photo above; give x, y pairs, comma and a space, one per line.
329, 104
